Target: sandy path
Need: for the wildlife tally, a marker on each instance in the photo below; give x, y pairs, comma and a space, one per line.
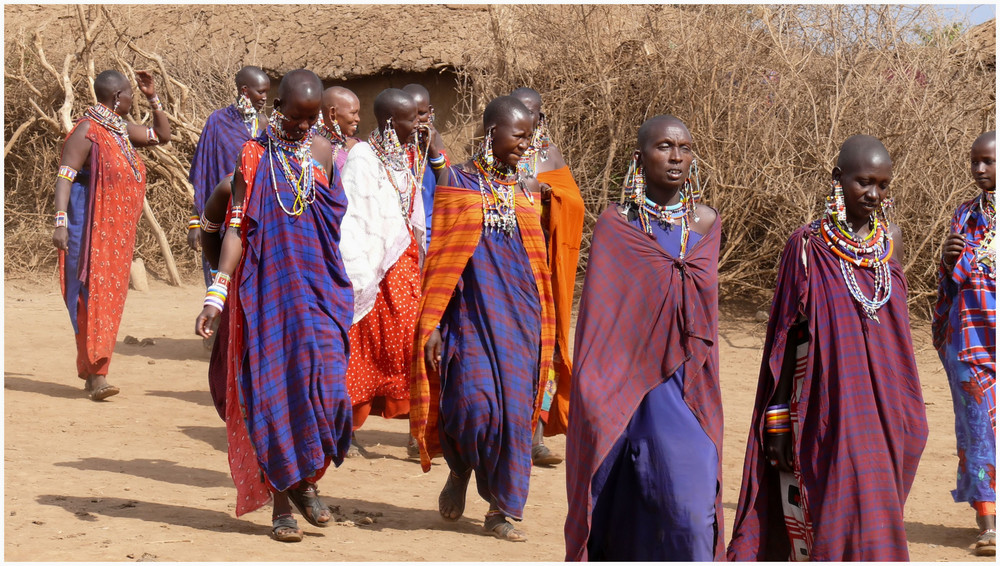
144, 475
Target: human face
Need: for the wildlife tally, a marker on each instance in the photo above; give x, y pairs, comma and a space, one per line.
865, 184
533, 106
666, 157
348, 114
256, 91
984, 164
300, 115
404, 121
124, 99
511, 138
424, 109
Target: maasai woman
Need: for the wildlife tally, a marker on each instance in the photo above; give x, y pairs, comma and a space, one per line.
965, 326
486, 326
341, 116
290, 304
838, 424
383, 251
225, 132
99, 194
562, 222
644, 446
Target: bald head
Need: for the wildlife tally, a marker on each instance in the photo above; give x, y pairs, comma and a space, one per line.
419, 93
337, 96
107, 84
985, 140
300, 84
655, 125
391, 101
862, 150
526, 94
251, 76
503, 109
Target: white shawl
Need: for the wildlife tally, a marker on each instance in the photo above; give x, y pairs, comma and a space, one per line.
373, 233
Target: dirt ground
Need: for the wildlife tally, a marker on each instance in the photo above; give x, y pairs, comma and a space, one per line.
144, 476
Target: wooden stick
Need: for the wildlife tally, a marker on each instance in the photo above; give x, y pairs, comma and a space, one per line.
161, 238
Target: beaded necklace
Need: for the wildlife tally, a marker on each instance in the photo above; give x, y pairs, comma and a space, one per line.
338, 142
871, 252
668, 215
305, 186
500, 204
395, 158
118, 128
986, 254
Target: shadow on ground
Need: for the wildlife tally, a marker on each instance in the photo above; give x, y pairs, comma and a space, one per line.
159, 470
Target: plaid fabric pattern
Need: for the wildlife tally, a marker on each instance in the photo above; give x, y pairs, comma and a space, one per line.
861, 420
628, 341
215, 157
966, 313
489, 371
565, 231
291, 306
458, 217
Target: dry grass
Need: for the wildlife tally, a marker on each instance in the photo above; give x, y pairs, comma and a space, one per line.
769, 93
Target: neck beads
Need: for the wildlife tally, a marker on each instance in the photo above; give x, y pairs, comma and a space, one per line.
496, 185
118, 128
305, 186
986, 253
394, 157
870, 252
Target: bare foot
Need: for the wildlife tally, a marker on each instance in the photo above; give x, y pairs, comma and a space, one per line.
451, 502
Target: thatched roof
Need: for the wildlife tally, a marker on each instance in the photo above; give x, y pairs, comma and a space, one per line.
979, 44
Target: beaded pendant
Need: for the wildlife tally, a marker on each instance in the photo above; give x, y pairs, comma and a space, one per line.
305, 186
499, 202
986, 253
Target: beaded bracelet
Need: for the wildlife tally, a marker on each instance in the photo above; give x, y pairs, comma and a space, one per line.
777, 419
437, 163
194, 222
209, 226
154, 101
62, 220
236, 217
151, 136
67, 173
218, 291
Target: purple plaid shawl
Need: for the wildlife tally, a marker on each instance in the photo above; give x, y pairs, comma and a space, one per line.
643, 314
216, 152
489, 366
297, 304
861, 413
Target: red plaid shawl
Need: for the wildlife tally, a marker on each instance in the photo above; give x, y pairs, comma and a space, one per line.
643, 314
458, 224
861, 416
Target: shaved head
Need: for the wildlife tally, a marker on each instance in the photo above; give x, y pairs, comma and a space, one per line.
503, 108
527, 93
251, 76
389, 101
418, 92
654, 124
861, 150
986, 139
301, 84
108, 83
338, 95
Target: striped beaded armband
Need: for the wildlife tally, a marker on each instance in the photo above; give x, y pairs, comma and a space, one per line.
67, 173
151, 136
62, 220
154, 101
209, 226
236, 217
218, 291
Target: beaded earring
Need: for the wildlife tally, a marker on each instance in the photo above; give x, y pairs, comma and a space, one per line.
487, 147
634, 186
542, 137
888, 209
117, 102
835, 203
336, 126
390, 141
245, 107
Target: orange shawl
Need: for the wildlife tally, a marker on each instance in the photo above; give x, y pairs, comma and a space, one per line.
458, 224
565, 231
